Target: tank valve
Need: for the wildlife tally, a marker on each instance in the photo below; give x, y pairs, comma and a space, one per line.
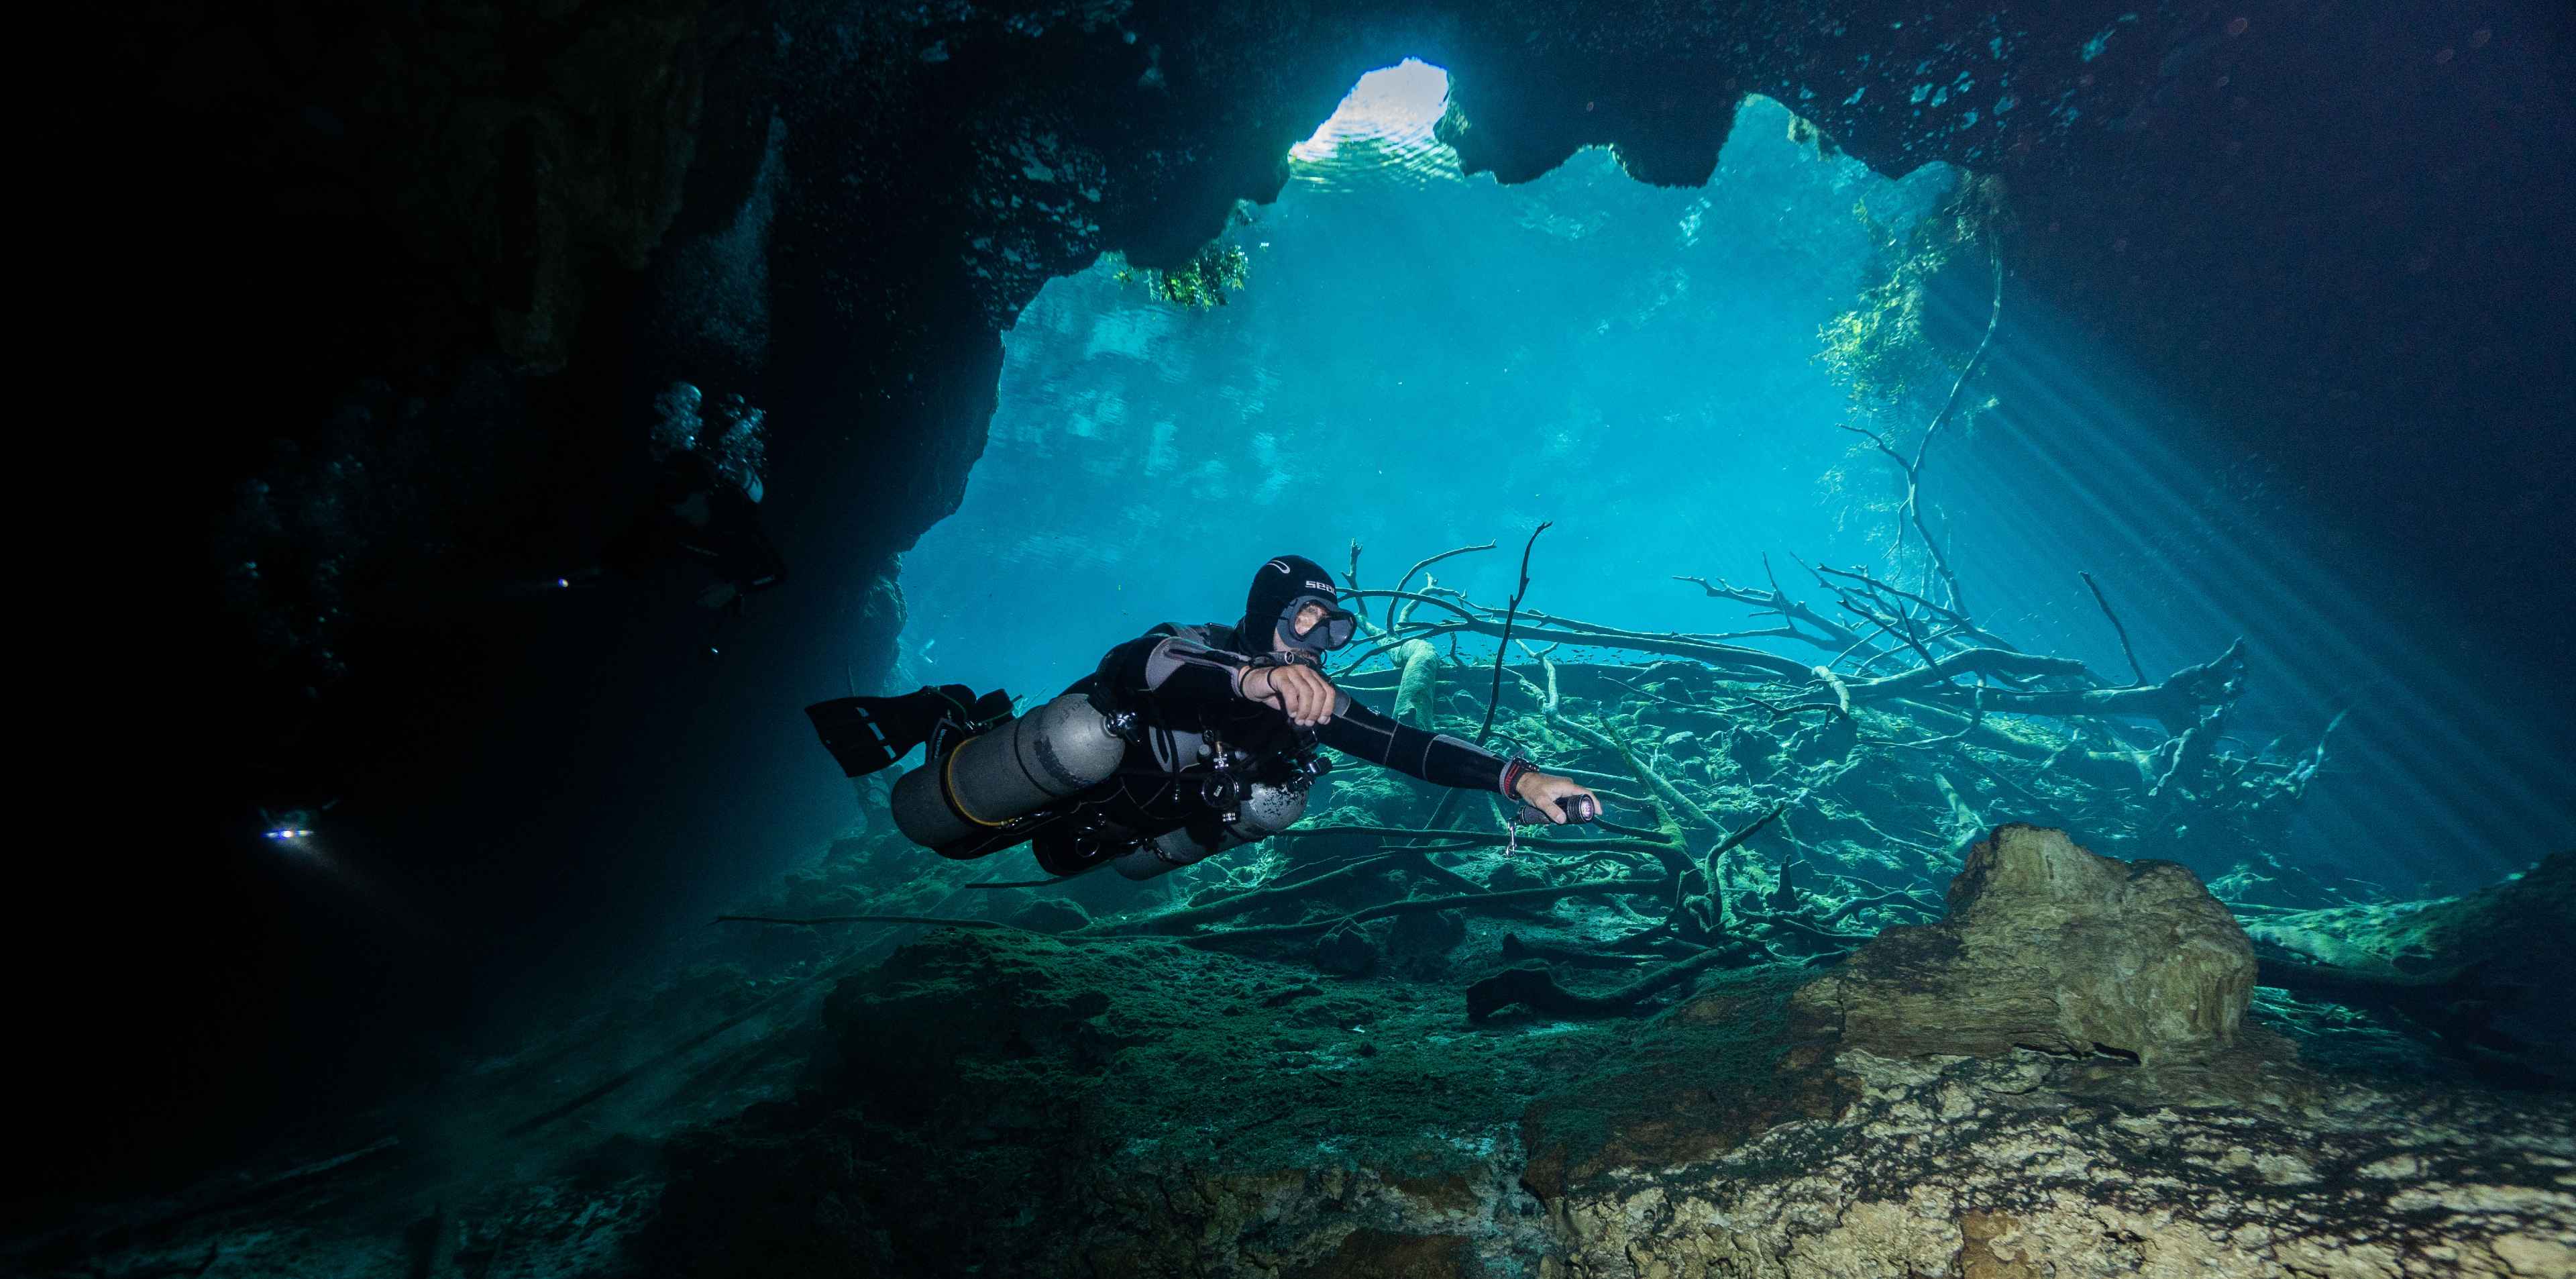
1222, 790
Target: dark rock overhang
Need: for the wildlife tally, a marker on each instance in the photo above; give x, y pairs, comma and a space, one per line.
2240, 197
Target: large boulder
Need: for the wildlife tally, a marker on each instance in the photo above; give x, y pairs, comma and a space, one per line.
2051, 947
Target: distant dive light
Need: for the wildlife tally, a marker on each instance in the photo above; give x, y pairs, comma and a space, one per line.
293, 825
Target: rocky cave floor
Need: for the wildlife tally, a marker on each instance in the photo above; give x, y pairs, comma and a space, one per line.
999, 1101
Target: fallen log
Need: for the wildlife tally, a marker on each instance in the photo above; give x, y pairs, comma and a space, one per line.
1534, 986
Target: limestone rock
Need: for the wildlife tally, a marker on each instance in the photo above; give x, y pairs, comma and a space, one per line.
1423, 939
1384, 1254
1006, 1104
2049, 946
1052, 915
1716, 1072
1994, 1169
1349, 949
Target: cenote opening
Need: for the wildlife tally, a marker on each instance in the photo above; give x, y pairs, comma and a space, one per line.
989, 640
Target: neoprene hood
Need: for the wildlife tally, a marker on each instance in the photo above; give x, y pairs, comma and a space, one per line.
1279, 588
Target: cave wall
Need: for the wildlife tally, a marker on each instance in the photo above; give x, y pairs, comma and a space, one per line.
2287, 213
415, 273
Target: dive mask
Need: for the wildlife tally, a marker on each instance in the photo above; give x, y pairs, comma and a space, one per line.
1332, 631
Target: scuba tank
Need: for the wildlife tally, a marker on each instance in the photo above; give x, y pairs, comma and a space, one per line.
1266, 810
1018, 767
1248, 810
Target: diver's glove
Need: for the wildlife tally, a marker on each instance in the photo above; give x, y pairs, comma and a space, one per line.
1578, 804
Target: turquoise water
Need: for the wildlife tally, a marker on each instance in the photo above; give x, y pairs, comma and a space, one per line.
1421, 360
1421, 365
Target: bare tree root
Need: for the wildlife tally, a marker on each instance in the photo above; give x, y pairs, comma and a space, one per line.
1680, 805
1411, 905
1487, 839
1974, 661
1247, 902
1775, 601
1503, 646
1428, 561
934, 921
2122, 631
2412, 993
1913, 508
1617, 954
2175, 702
1892, 897
1814, 932
1892, 607
1751, 662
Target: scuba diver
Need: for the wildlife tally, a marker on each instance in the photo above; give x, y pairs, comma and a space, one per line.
703, 510
1185, 742
699, 515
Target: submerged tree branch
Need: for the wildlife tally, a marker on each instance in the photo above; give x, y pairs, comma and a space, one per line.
1495, 697
1409, 905
2122, 631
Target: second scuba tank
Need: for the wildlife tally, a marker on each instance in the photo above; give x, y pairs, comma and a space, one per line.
1060, 748
1265, 811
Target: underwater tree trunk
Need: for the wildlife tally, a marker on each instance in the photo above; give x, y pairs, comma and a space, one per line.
1417, 692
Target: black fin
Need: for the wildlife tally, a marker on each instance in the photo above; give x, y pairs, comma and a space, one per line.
866, 734
989, 711
965, 716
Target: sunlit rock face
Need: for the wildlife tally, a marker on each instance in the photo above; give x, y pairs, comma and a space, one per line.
2051, 947
1976, 1137
2013, 1168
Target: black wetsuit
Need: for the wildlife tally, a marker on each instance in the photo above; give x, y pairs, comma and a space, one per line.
1184, 708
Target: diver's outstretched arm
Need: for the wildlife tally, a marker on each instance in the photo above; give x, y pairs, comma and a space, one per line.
1443, 760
